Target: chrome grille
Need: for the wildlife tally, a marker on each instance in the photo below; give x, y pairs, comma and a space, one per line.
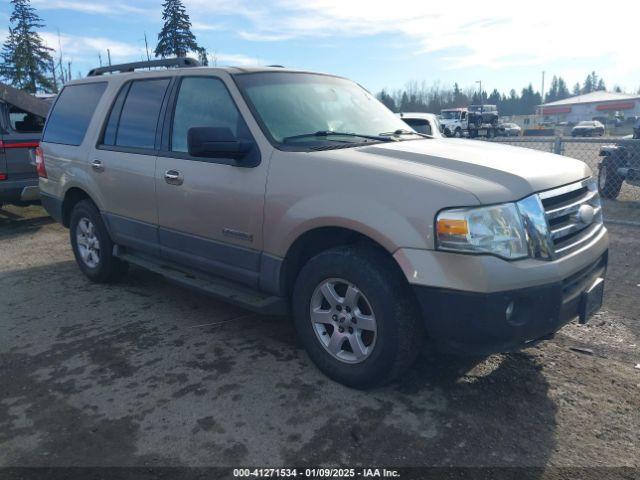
571, 225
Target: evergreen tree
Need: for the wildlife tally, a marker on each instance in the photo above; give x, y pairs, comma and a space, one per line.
601, 85
563, 91
404, 102
203, 57
552, 94
529, 100
588, 86
26, 60
176, 37
387, 100
576, 89
495, 97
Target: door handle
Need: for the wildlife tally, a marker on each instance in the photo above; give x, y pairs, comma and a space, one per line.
97, 165
173, 177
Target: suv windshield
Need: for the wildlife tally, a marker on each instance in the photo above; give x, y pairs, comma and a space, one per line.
450, 115
293, 107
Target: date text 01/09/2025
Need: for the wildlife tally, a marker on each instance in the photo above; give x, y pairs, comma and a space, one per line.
315, 473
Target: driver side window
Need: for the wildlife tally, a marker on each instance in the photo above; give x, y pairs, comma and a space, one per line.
203, 102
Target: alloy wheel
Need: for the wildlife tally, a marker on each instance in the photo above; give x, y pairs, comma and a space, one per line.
88, 243
343, 320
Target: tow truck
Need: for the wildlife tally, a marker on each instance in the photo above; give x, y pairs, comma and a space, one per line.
474, 121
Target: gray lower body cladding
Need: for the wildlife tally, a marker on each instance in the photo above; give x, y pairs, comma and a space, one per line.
476, 323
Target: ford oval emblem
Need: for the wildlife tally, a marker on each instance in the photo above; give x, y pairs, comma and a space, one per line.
586, 214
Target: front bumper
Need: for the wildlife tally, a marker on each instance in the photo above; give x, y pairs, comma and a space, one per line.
477, 323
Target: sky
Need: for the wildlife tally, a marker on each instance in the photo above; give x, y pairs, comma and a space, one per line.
379, 44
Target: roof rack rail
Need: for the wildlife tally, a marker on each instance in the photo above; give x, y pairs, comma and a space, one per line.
179, 62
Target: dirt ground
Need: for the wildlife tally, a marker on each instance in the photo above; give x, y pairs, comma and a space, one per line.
146, 373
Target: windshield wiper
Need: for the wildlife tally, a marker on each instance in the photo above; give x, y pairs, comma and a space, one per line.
327, 133
397, 133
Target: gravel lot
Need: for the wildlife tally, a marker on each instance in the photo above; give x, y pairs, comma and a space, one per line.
147, 373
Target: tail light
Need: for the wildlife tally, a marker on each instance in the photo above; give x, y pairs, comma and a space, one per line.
3, 176
40, 168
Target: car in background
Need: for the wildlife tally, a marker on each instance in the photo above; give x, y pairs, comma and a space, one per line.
454, 122
620, 163
421, 122
588, 128
509, 130
20, 132
480, 115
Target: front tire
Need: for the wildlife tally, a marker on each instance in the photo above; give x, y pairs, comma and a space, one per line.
609, 181
356, 317
92, 245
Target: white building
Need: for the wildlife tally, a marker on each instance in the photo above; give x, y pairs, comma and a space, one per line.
595, 105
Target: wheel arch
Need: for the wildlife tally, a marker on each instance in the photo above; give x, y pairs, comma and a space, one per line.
72, 196
319, 239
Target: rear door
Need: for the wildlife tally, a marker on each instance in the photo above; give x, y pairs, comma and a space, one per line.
123, 164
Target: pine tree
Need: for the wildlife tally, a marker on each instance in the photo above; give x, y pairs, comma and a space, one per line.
563, 91
576, 89
26, 60
203, 57
176, 37
387, 100
552, 94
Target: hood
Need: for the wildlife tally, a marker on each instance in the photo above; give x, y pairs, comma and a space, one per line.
449, 120
493, 173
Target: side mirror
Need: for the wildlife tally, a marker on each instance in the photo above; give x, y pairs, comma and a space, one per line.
216, 142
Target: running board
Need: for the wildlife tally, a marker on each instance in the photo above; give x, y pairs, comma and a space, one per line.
220, 288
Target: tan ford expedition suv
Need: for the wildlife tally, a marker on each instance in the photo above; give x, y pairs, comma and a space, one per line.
296, 192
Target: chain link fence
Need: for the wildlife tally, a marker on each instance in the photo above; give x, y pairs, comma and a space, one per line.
615, 162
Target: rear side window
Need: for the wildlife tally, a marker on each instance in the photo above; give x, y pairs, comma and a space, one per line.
24, 122
72, 112
134, 117
419, 125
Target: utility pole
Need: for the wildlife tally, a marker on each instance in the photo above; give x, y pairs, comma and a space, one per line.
109, 56
146, 46
100, 58
480, 96
542, 96
62, 75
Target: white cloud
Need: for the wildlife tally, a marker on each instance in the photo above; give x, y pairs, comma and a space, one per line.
95, 7
230, 59
87, 48
494, 34
206, 27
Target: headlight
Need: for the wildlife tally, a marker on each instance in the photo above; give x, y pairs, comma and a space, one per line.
497, 230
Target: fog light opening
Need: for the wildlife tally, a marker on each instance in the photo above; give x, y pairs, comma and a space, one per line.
509, 311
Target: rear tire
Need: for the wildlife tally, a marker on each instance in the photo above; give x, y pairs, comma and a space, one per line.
92, 245
609, 181
387, 332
